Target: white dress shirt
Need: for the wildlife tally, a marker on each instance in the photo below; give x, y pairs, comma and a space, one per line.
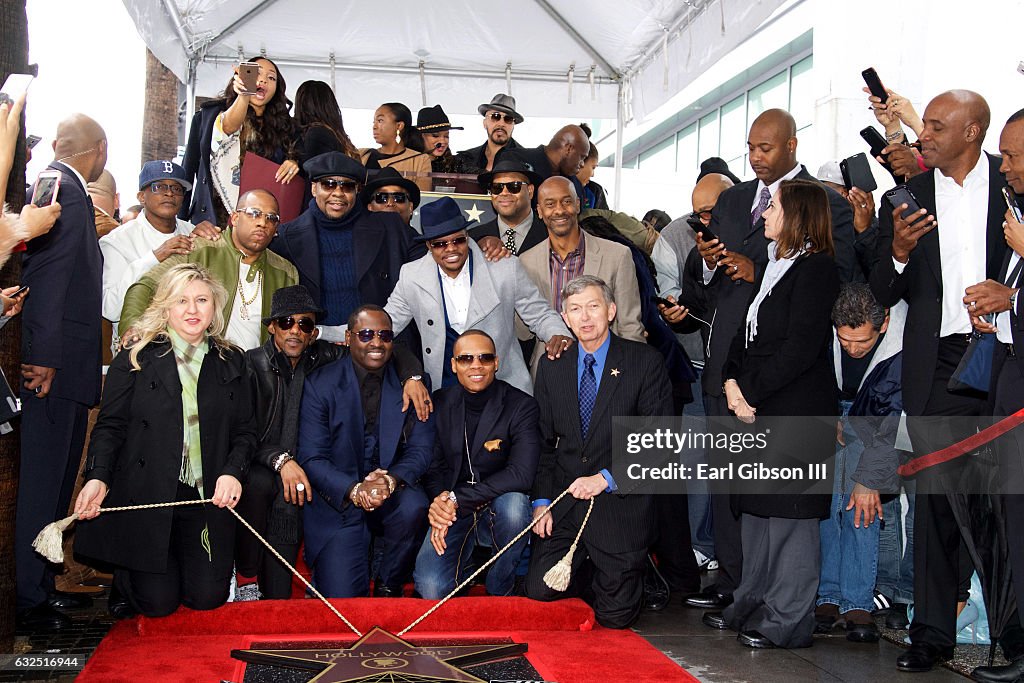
1003, 321
241, 332
457, 292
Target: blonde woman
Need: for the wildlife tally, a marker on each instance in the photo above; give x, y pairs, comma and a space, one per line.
176, 423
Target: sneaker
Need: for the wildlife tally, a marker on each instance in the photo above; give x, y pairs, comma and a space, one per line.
882, 603
704, 563
250, 592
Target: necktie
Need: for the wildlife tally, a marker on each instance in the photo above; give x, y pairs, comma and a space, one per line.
510, 240
755, 215
588, 392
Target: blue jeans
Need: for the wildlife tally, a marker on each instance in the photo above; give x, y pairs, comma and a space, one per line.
698, 498
849, 556
895, 565
492, 526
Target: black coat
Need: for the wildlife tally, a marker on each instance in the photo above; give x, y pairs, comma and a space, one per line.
640, 387
474, 159
787, 372
510, 417
538, 232
61, 319
201, 201
730, 220
920, 284
135, 448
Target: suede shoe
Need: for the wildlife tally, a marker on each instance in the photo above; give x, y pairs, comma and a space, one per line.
1014, 671
715, 620
860, 627
922, 657
755, 640
709, 598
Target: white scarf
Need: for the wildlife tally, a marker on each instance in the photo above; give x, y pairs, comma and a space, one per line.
773, 272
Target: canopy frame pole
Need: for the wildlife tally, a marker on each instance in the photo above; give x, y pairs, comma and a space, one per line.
237, 23
580, 40
620, 122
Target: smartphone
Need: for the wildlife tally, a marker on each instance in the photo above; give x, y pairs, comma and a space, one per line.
31, 141
875, 139
15, 86
901, 194
664, 301
21, 290
1011, 203
693, 220
249, 72
875, 84
45, 191
857, 173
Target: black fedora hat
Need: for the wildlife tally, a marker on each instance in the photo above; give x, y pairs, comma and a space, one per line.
503, 103
434, 120
292, 300
509, 164
389, 176
441, 217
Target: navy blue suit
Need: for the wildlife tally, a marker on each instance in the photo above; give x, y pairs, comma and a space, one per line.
331, 451
60, 330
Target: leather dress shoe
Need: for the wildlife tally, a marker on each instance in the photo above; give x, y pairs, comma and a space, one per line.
862, 632
69, 600
709, 598
118, 605
825, 616
382, 591
922, 657
1014, 671
754, 639
657, 593
896, 618
715, 620
42, 618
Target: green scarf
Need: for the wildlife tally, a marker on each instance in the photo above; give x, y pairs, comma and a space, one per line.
189, 360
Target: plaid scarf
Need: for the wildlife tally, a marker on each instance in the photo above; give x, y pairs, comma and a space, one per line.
189, 360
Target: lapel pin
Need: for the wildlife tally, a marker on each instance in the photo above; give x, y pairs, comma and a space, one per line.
615, 372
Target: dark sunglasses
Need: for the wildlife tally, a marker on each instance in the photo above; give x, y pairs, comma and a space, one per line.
704, 215
307, 325
396, 197
366, 336
161, 188
330, 184
513, 187
443, 244
484, 358
498, 116
255, 214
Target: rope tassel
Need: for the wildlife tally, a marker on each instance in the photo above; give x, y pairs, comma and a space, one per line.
557, 578
50, 541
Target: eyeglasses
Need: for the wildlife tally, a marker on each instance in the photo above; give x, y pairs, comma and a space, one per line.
703, 215
396, 197
498, 116
163, 188
330, 184
443, 244
484, 358
366, 336
512, 186
255, 214
305, 324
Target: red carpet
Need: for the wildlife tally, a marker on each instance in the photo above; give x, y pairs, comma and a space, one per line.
564, 643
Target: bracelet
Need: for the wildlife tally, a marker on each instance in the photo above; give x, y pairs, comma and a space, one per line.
893, 137
392, 483
354, 495
281, 460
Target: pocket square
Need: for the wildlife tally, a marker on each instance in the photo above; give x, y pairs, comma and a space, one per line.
492, 445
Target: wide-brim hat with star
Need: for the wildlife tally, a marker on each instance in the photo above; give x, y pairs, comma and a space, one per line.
434, 120
291, 301
506, 104
441, 217
334, 164
509, 165
389, 176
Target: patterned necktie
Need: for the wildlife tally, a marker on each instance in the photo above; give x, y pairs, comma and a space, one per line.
588, 392
755, 215
510, 240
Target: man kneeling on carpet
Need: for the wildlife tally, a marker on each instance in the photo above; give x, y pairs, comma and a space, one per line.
145, 449
485, 459
364, 458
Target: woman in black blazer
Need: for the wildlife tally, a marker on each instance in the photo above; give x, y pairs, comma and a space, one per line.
176, 423
780, 367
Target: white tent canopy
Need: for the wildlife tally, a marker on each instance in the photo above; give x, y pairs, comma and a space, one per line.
603, 59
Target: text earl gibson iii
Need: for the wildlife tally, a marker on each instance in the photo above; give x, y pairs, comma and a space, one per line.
747, 471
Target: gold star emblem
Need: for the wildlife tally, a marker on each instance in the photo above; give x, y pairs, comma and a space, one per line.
615, 372
474, 213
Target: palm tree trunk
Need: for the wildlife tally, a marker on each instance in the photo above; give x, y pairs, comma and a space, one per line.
160, 117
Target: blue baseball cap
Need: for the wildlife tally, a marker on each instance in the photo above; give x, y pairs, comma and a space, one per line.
152, 171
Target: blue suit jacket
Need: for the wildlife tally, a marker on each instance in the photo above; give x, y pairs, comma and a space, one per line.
330, 445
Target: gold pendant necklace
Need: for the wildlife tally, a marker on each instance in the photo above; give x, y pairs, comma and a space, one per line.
244, 312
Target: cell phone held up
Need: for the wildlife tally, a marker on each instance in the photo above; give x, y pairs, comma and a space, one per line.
1012, 204
874, 84
900, 195
693, 220
45, 191
249, 72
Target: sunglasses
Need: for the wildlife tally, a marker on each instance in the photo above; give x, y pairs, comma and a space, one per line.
330, 184
306, 325
484, 358
443, 244
513, 187
704, 215
162, 188
366, 336
396, 197
498, 116
256, 214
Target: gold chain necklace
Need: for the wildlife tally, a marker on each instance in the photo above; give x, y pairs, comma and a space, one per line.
244, 312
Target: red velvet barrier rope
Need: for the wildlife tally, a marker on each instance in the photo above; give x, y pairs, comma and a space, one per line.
971, 443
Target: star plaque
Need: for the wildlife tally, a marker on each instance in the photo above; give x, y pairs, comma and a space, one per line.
380, 657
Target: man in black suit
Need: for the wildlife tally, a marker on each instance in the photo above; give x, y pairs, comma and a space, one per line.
516, 227
579, 393
345, 254
485, 459
731, 265
930, 269
61, 361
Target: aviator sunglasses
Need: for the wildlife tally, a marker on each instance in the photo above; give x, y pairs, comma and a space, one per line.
484, 358
366, 336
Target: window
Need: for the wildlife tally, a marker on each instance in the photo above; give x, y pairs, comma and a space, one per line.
708, 141
661, 157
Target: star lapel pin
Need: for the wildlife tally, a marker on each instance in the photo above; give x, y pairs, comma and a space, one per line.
615, 372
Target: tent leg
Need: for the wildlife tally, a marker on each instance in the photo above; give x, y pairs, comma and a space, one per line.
620, 122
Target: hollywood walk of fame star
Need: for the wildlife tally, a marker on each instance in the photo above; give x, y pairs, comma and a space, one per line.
380, 657
474, 213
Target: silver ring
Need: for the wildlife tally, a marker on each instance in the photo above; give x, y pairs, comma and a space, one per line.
974, 304
373, 492
863, 206
300, 487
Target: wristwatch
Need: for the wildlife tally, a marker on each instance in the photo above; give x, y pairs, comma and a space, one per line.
1013, 301
280, 460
